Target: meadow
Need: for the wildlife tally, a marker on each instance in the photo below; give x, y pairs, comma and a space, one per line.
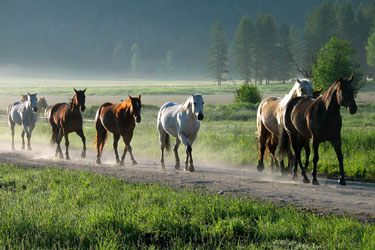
228, 132
54, 209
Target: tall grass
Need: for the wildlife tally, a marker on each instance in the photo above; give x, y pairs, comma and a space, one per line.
51, 208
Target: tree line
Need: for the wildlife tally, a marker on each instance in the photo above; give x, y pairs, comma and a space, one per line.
264, 51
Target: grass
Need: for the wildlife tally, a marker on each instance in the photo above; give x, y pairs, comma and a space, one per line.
51, 208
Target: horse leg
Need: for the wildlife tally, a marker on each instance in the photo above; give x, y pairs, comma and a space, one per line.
23, 140
66, 145
59, 137
186, 142
116, 138
262, 140
127, 139
315, 161
337, 145
303, 169
12, 125
191, 167
162, 137
31, 128
175, 150
83, 138
272, 146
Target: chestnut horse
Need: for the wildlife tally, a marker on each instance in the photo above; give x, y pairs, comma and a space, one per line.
66, 118
269, 120
319, 119
120, 120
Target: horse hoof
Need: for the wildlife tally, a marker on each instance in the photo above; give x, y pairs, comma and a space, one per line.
61, 156
260, 168
191, 169
315, 182
23, 148
98, 161
186, 168
67, 158
134, 163
342, 182
29, 149
306, 180
83, 154
13, 149
295, 177
121, 164
177, 166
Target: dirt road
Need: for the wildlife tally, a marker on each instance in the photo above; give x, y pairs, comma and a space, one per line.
355, 199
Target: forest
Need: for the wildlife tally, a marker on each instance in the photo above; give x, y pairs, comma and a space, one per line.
171, 38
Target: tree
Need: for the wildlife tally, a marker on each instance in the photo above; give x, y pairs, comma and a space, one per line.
218, 51
370, 49
345, 21
135, 60
336, 58
284, 53
243, 42
247, 93
264, 48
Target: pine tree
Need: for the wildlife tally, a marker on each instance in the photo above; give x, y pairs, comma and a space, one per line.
243, 42
284, 53
370, 49
218, 53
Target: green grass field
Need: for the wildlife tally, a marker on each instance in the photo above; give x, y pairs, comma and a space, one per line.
54, 209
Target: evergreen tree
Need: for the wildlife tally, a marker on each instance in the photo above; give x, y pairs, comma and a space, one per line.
345, 21
336, 58
370, 48
264, 48
135, 60
284, 53
218, 52
243, 42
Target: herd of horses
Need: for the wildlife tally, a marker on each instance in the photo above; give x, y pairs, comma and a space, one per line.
288, 123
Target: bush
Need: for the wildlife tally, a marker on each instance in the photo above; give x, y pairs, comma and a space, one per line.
247, 93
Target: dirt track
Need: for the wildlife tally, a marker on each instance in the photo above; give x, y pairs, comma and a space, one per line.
355, 199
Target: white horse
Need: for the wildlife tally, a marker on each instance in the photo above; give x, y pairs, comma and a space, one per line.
182, 122
25, 115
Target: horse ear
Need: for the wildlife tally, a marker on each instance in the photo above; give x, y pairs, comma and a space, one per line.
139, 97
130, 97
298, 80
351, 79
84, 90
28, 93
75, 90
340, 78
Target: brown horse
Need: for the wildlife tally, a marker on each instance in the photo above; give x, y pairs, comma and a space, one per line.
119, 119
66, 118
270, 123
320, 120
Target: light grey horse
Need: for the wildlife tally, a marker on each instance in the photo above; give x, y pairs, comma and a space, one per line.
182, 122
25, 115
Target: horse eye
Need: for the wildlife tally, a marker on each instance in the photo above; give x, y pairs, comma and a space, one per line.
195, 103
202, 103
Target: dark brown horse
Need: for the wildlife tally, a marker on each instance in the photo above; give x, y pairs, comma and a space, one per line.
118, 119
66, 118
320, 120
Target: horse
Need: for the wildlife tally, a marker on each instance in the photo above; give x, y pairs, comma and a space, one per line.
42, 103
119, 119
66, 118
269, 121
23, 114
319, 119
182, 122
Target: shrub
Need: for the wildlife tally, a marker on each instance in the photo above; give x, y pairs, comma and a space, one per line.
247, 93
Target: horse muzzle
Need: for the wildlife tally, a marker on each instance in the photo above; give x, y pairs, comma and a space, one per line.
352, 110
200, 116
35, 109
83, 108
138, 119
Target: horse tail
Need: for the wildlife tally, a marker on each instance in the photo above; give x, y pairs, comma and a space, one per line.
101, 132
167, 142
284, 143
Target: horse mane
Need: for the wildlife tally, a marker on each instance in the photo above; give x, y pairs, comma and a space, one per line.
125, 105
185, 106
327, 96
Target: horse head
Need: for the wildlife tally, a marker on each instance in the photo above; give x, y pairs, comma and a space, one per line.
32, 101
197, 105
79, 99
345, 94
42, 103
136, 106
302, 87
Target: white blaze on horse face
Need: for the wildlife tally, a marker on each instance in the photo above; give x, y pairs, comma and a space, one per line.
33, 102
197, 107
